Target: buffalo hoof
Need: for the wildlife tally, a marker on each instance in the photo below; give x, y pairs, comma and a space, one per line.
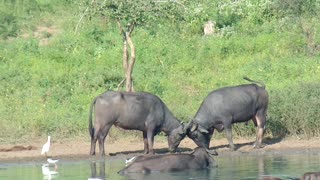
172, 150
232, 148
257, 146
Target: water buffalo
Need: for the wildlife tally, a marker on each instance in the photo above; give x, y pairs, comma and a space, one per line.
200, 158
225, 106
310, 176
305, 176
133, 111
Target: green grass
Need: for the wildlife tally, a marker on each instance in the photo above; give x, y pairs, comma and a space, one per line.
47, 89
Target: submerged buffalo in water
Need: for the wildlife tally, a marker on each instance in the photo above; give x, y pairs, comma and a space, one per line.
133, 111
225, 106
310, 176
305, 176
200, 158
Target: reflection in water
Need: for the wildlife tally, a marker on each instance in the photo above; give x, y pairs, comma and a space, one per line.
47, 174
187, 174
262, 170
101, 174
242, 167
238, 167
259, 167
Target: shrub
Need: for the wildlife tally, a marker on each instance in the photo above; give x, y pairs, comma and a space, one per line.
295, 110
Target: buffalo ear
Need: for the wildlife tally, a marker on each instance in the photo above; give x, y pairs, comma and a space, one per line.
212, 152
181, 131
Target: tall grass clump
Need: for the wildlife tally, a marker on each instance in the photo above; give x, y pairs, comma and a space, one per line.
295, 110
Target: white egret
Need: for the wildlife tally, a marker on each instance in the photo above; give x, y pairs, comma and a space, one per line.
130, 160
46, 146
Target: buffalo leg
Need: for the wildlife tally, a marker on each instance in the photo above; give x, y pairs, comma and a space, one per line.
94, 139
93, 145
101, 145
229, 136
208, 138
150, 136
101, 138
145, 141
260, 120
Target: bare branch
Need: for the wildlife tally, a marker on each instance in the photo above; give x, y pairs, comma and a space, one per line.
82, 16
120, 26
120, 84
131, 28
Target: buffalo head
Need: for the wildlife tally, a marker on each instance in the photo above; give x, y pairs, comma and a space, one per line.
175, 137
198, 134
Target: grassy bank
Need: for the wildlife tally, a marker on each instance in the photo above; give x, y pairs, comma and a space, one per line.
49, 74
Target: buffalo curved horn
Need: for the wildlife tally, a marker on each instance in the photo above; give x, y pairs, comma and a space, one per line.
183, 131
187, 127
202, 130
194, 127
194, 150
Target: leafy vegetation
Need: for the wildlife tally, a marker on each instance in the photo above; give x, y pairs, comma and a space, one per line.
49, 73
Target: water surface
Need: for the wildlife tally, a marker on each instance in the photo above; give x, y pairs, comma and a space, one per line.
238, 167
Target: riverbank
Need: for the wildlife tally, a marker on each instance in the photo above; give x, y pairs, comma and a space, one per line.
78, 148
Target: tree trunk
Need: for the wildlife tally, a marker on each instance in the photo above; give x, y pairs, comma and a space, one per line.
127, 65
129, 70
125, 54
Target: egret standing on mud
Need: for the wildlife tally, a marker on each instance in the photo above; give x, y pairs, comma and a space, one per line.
46, 146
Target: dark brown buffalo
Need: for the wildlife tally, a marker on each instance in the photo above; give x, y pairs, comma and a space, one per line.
310, 176
133, 111
269, 178
305, 176
225, 106
200, 158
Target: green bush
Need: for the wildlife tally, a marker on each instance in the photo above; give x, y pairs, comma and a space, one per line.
295, 110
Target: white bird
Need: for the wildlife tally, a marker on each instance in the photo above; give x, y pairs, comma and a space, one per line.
53, 161
130, 160
46, 146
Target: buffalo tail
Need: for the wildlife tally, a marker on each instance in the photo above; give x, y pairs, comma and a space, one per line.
91, 129
257, 82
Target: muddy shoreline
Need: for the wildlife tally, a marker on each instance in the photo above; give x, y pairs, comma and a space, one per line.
78, 149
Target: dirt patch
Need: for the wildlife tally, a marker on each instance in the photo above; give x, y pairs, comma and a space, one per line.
78, 148
18, 148
43, 33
